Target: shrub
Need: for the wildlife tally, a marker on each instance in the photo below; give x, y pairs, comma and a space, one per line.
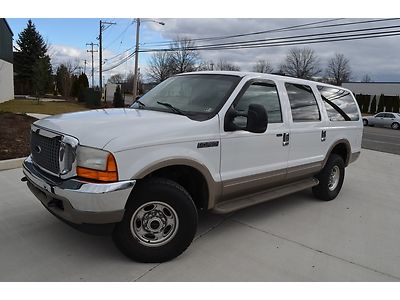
372, 110
92, 97
118, 100
396, 104
381, 103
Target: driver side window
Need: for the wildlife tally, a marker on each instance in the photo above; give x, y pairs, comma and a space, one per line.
260, 93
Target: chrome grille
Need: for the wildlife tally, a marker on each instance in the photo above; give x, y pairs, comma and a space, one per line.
45, 151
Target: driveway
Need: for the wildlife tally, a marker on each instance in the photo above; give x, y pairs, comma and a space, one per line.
295, 238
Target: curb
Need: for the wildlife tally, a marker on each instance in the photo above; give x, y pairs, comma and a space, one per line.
11, 163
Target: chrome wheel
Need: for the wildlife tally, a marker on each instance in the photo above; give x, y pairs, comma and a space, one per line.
154, 224
334, 178
395, 126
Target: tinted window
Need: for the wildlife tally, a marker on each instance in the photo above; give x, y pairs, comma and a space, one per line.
264, 94
302, 102
339, 104
389, 116
380, 115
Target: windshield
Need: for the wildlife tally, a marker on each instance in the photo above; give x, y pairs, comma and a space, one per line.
198, 96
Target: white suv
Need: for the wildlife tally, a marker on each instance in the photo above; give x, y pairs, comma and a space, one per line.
218, 141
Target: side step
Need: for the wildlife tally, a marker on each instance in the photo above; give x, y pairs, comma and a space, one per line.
253, 199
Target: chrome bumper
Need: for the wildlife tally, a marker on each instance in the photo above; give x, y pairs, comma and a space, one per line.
79, 201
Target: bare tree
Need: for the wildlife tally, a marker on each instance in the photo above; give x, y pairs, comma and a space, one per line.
160, 66
183, 58
263, 66
338, 70
206, 66
224, 65
116, 78
366, 78
301, 63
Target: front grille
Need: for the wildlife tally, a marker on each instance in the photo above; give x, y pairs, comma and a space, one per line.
45, 152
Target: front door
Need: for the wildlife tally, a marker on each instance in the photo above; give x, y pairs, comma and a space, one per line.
253, 161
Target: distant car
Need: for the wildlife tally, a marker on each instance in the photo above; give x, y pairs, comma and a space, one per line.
384, 119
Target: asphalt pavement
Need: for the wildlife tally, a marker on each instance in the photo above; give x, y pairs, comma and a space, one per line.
381, 139
295, 238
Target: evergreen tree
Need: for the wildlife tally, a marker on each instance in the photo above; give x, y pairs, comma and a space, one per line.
381, 103
118, 100
63, 81
74, 86
373, 106
32, 47
396, 104
41, 76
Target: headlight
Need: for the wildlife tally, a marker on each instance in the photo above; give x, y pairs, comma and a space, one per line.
96, 164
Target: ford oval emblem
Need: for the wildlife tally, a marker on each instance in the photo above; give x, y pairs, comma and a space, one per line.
37, 149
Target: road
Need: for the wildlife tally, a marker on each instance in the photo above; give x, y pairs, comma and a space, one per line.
381, 139
294, 238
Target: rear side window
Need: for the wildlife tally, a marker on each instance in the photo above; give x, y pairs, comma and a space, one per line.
264, 94
340, 104
303, 103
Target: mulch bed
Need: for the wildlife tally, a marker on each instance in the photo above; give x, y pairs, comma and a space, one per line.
14, 135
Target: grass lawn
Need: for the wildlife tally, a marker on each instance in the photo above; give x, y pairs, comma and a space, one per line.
49, 108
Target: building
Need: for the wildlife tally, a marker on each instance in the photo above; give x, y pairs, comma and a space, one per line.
6, 62
374, 88
374, 97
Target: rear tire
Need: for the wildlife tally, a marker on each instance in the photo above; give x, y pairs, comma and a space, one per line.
395, 125
159, 223
330, 179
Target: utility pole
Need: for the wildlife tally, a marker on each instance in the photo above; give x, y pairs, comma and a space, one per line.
135, 75
84, 69
92, 51
103, 26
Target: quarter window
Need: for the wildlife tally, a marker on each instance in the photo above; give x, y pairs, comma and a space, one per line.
303, 103
339, 104
265, 94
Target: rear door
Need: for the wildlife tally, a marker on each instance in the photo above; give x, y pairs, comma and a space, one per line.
307, 131
388, 119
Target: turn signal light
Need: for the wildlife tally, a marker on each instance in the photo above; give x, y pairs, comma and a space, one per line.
109, 175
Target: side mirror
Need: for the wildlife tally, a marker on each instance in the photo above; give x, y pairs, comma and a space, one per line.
257, 119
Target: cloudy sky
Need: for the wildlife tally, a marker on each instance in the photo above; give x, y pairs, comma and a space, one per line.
378, 57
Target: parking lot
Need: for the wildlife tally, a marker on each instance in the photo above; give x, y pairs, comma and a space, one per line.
381, 139
295, 238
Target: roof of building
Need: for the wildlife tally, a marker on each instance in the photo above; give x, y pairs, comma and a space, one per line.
7, 25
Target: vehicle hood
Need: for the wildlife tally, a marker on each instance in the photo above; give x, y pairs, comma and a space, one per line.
126, 128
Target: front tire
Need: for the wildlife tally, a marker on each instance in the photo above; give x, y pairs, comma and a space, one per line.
159, 223
330, 179
365, 122
395, 125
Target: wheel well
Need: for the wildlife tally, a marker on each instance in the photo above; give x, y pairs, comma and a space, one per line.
342, 151
191, 179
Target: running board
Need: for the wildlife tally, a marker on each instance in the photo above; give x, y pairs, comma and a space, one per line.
253, 199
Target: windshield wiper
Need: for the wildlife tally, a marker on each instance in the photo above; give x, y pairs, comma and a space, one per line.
175, 109
140, 103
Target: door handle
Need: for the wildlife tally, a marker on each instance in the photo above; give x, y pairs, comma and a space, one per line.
323, 135
285, 139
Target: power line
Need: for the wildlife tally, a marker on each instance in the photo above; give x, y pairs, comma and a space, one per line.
119, 36
252, 33
289, 28
255, 43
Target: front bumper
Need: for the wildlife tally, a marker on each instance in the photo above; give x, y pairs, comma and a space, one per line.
78, 201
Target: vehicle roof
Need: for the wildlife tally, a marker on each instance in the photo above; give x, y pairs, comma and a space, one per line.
251, 75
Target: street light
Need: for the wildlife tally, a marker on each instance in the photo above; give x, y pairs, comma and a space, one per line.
135, 77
